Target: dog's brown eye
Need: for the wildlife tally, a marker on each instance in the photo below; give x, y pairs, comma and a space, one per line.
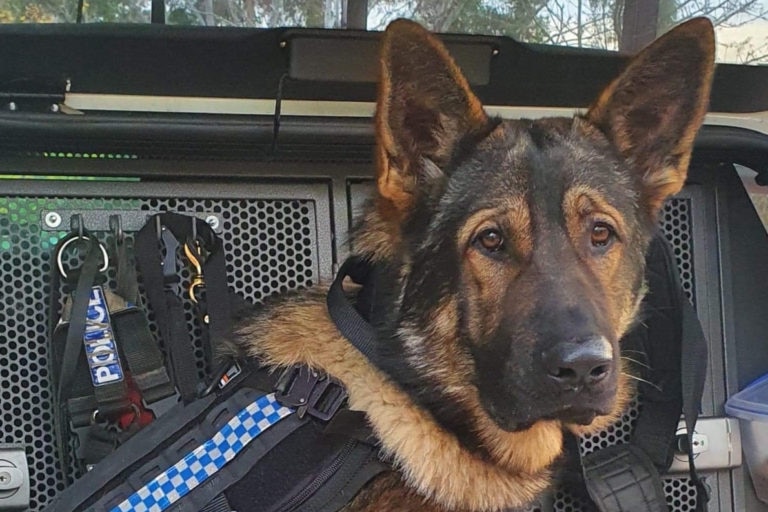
602, 234
490, 240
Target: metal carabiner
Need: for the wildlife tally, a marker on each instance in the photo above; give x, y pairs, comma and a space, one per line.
195, 256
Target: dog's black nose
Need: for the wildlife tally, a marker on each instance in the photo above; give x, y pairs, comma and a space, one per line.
575, 364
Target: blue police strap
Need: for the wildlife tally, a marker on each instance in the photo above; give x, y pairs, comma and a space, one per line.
208, 458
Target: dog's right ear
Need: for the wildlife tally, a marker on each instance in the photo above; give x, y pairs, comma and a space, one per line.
654, 109
425, 109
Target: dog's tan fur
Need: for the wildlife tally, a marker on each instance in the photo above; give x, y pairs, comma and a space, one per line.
431, 460
434, 470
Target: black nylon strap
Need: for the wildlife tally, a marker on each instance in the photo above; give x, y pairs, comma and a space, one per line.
347, 319
179, 345
169, 312
694, 374
218, 504
660, 338
71, 373
168, 306
111, 398
693, 370
127, 284
77, 317
142, 355
217, 302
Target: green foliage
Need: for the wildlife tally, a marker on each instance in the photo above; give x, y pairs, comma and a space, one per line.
65, 11
588, 23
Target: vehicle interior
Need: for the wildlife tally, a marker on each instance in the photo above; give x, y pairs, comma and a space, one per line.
264, 130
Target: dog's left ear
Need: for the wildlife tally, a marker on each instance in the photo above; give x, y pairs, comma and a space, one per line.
425, 109
654, 109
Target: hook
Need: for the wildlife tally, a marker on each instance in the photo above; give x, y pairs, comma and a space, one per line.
76, 224
116, 226
195, 256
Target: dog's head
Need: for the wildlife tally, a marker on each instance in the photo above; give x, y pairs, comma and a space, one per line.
517, 247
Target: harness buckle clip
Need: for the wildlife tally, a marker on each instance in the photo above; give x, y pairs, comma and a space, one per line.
310, 392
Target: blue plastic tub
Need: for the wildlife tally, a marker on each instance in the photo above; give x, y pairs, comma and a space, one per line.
750, 406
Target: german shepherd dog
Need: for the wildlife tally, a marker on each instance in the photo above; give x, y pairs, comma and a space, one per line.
511, 262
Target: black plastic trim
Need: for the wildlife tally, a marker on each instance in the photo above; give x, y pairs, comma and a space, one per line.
161, 60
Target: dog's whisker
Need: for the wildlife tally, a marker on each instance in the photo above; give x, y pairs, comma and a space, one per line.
640, 379
635, 361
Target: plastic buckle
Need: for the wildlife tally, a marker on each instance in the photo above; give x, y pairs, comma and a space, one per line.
622, 477
163, 405
310, 392
14, 478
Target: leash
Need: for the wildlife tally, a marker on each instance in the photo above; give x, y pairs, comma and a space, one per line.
157, 247
346, 317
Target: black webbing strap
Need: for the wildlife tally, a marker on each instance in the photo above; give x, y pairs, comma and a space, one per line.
142, 355
169, 310
693, 370
218, 504
141, 351
76, 397
85, 280
694, 373
111, 398
126, 281
627, 477
347, 319
168, 305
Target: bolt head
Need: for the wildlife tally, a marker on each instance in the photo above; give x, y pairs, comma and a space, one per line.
213, 221
52, 219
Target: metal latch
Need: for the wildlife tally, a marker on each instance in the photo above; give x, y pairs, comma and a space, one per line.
34, 95
14, 478
716, 445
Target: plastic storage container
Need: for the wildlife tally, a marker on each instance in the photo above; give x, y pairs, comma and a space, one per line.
750, 406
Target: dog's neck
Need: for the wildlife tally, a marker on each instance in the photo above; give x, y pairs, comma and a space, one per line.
508, 473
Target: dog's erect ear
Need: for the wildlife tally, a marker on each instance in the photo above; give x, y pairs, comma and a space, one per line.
653, 110
425, 109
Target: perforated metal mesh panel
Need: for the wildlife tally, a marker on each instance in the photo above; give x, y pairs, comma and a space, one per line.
676, 225
271, 246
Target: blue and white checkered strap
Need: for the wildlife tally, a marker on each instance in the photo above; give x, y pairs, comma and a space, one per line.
208, 458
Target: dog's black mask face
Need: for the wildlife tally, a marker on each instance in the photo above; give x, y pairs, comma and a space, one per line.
518, 246
537, 236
